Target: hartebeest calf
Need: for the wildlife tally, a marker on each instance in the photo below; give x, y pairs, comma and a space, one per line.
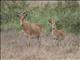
54, 31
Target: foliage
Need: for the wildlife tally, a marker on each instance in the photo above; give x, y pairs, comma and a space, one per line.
66, 15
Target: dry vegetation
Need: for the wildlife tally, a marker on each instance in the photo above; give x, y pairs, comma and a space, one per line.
14, 47
14, 44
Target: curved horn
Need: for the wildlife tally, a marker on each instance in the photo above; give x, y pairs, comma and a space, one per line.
23, 12
18, 14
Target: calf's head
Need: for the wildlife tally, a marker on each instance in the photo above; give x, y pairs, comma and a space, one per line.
52, 22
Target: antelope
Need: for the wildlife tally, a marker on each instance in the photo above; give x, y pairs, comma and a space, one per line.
54, 31
31, 29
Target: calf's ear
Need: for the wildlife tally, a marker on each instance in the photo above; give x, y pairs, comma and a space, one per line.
49, 21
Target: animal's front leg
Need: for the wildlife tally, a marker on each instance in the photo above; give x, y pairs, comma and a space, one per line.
29, 41
59, 40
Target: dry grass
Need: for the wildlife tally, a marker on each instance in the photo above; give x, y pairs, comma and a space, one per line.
14, 47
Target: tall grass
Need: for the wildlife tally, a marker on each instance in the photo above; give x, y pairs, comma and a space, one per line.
66, 15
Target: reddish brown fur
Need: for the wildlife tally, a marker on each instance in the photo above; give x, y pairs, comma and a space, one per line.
31, 29
59, 33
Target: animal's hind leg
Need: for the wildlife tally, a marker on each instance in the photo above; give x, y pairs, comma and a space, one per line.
38, 37
58, 41
29, 41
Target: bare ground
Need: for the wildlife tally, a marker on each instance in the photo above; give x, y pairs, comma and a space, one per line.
14, 47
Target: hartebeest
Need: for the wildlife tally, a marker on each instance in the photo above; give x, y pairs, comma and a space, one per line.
31, 29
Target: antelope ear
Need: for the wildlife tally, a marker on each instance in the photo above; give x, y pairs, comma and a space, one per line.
49, 21
26, 14
18, 14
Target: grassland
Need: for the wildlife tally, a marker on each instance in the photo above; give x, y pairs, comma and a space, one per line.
14, 44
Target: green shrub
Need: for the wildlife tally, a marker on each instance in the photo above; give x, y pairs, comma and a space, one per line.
67, 16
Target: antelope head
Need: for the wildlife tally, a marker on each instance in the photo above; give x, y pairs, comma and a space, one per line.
52, 22
21, 16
